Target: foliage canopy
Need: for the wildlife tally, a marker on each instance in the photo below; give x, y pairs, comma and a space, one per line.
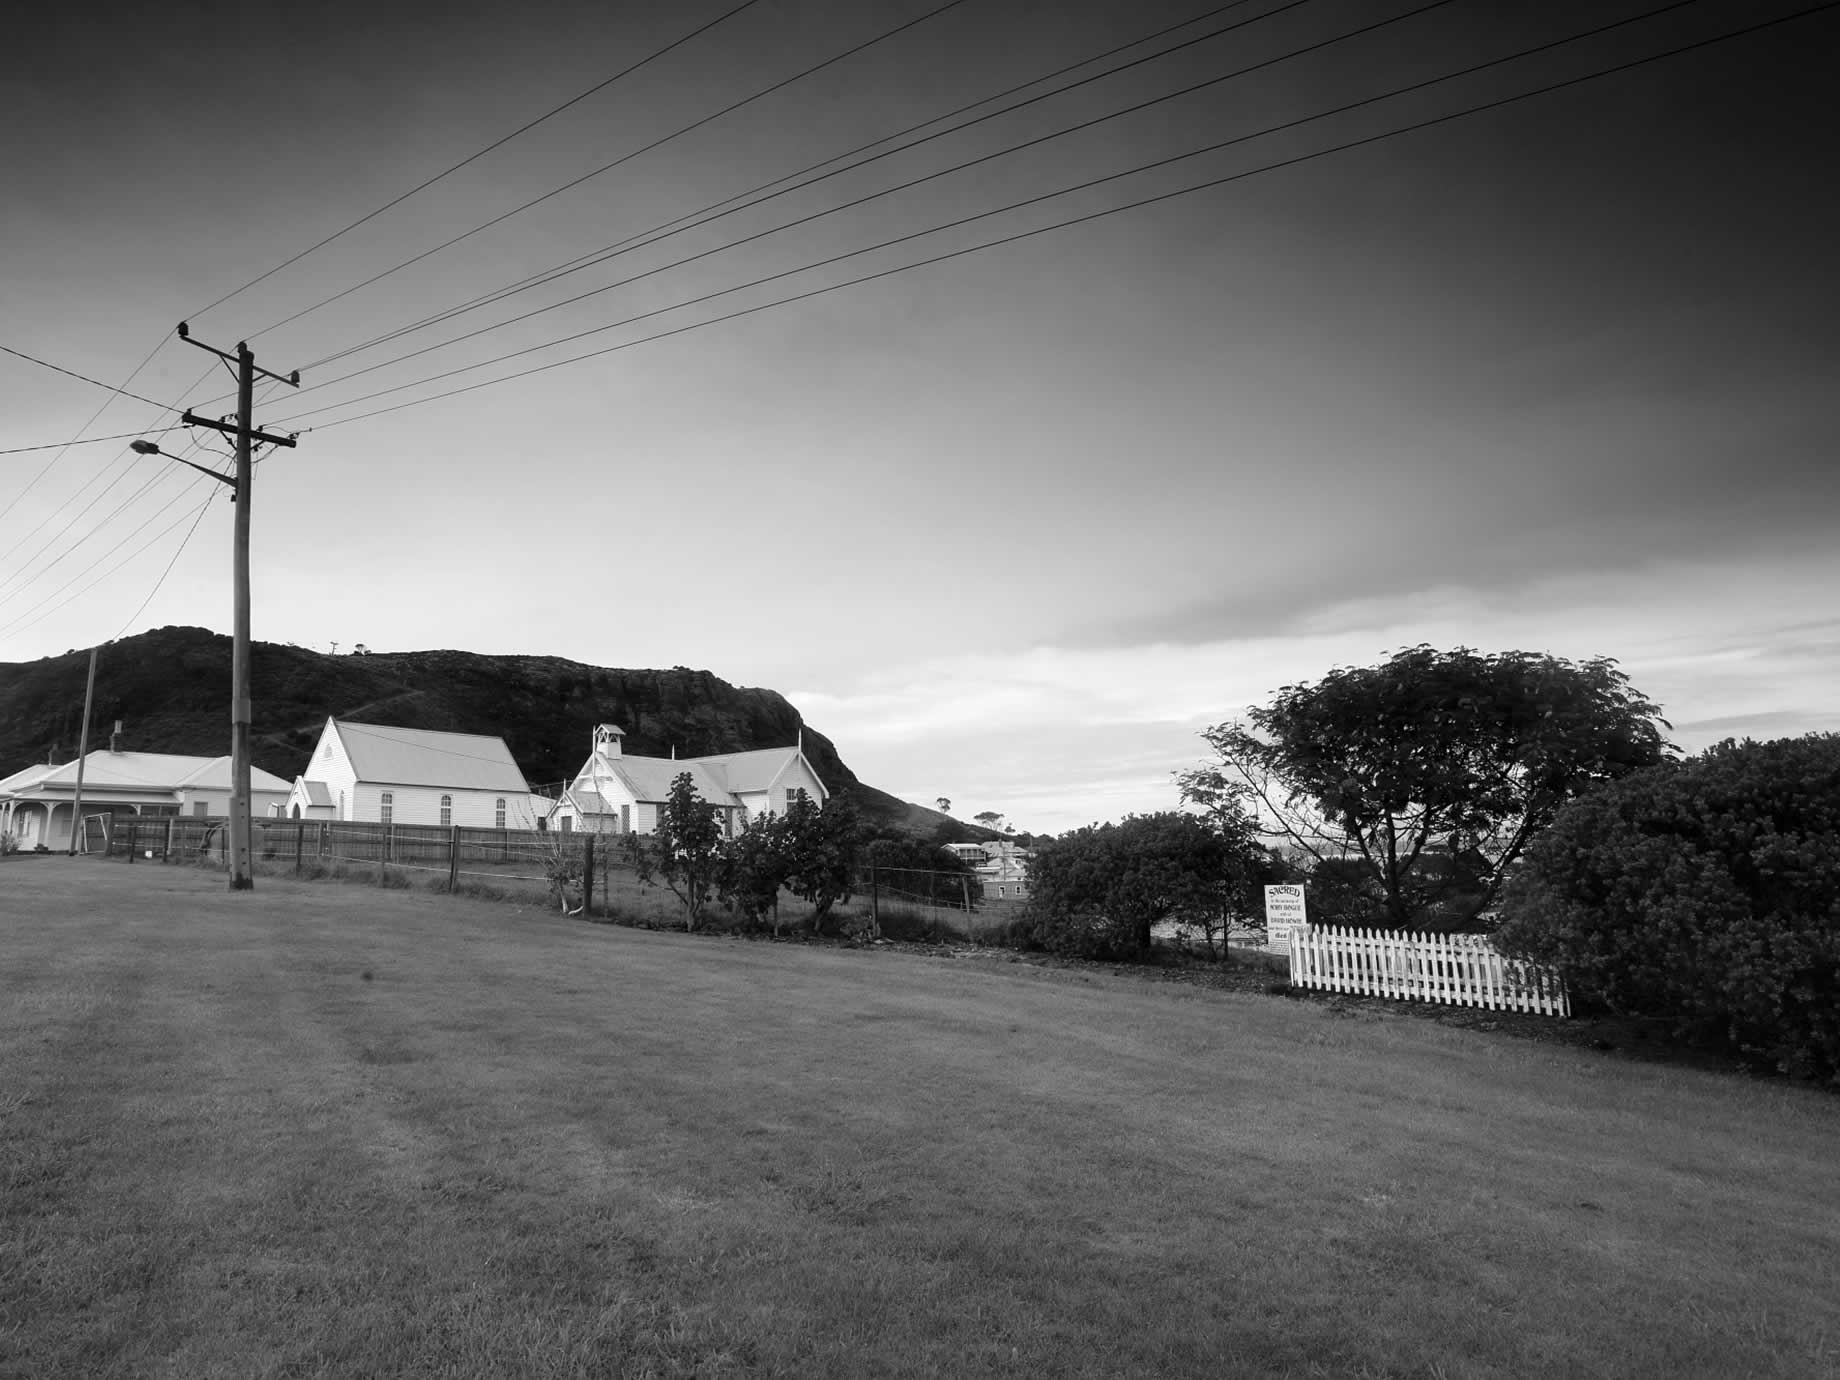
1707, 893
1433, 769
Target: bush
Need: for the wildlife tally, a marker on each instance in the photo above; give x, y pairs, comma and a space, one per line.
1707, 893
1098, 892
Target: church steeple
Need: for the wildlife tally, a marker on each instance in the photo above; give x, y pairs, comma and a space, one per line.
607, 740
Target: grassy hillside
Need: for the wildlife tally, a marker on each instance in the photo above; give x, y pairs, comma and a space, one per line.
170, 689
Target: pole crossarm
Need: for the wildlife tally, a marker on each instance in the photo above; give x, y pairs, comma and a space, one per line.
242, 351
231, 429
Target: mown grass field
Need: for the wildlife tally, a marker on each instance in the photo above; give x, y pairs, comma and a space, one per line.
346, 1131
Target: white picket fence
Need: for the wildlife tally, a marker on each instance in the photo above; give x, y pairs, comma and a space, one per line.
1459, 969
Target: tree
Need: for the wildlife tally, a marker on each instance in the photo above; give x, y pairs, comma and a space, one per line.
990, 819
1434, 769
1706, 894
754, 866
1099, 891
685, 855
943, 804
820, 851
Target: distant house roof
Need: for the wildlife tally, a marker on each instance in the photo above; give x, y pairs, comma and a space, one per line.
424, 757
143, 772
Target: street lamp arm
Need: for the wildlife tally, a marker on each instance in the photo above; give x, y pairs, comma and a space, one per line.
149, 448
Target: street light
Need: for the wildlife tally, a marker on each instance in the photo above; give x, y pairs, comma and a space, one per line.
149, 448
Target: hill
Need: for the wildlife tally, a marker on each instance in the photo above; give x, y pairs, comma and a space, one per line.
170, 688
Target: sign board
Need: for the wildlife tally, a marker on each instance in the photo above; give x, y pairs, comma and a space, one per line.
1283, 913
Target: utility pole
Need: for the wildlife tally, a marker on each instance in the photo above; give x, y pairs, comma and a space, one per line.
76, 806
242, 876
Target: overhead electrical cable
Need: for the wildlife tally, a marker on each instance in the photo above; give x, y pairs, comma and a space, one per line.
72, 373
907, 186
194, 446
96, 477
474, 157
10, 594
1001, 210
624, 158
1100, 214
33, 615
51, 463
177, 552
91, 440
691, 220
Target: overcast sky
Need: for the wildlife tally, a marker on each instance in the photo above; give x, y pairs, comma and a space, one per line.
1011, 527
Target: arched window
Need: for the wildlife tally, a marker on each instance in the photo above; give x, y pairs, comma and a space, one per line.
498, 813
447, 811
387, 811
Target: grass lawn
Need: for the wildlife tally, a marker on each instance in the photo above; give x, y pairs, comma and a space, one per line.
347, 1131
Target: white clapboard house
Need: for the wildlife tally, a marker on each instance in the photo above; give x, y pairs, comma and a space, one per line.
37, 803
615, 793
379, 774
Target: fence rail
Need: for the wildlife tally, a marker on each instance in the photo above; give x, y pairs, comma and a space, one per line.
1457, 969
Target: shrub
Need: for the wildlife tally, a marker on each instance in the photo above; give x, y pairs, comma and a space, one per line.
1707, 893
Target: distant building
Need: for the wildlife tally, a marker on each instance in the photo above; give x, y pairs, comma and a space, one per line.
36, 804
614, 793
385, 775
1002, 866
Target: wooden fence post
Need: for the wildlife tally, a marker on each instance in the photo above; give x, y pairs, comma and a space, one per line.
875, 904
300, 838
587, 874
453, 859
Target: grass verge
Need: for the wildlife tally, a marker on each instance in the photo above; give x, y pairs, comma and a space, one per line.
341, 1130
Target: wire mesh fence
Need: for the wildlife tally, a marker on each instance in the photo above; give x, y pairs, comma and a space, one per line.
573, 871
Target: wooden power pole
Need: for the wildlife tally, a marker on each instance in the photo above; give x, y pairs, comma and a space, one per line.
76, 806
242, 875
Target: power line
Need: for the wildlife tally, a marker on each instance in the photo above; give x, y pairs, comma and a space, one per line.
90, 440
27, 619
522, 129
696, 219
518, 210
70, 501
72, 373
1100, 214
1001, 210
179, 551
910, 184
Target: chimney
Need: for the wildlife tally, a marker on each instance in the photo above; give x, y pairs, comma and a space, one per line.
115, 738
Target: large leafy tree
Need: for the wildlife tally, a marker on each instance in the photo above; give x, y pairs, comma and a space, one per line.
1434, 769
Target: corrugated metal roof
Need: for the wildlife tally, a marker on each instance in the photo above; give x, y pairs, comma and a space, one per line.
141, 771
215, 775
424, 757
318, 792
751, 771
650, 778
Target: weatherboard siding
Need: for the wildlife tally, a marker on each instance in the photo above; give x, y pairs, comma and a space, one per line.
336, 771
422, 805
